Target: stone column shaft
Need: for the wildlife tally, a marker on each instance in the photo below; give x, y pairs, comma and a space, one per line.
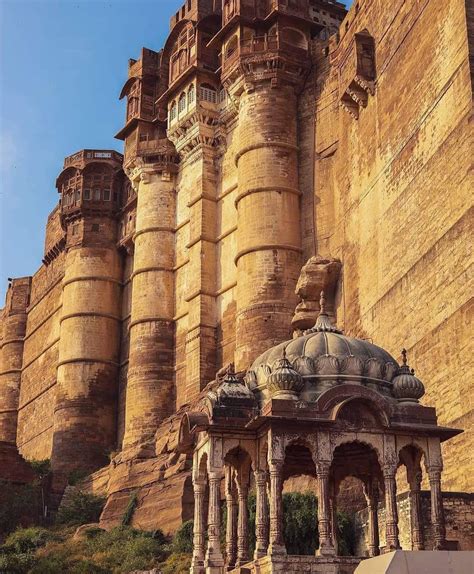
415, 513
150, 389
214, 561
242, 528
199, 538
326, 546
392, 534
437, 510
372, 497
277, 544
262, 516
232, 518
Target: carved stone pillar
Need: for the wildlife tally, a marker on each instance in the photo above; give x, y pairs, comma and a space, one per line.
326, 546
261, 518
372, 497
214, 561
437, 511
333, 510
392, 540
415, 511
197, 564
242, 525
277, 545
232, 514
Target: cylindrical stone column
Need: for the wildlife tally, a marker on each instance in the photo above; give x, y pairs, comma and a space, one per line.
87, 372
150, 392
214, 560
372, 497
232, 518
326, 545
437, 510
242, 526
392, 533
268, 210
199, 534
277, 544
261, 515
415, 512
11, 356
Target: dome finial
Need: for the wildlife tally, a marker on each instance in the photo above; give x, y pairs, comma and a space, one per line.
323, 322
404, 355
322, 303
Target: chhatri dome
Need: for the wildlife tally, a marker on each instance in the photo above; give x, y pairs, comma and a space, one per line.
324, 357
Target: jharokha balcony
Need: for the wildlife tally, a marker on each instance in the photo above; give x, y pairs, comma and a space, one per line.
287, 42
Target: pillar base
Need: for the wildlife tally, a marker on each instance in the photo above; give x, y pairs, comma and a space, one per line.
326, 550
277, 550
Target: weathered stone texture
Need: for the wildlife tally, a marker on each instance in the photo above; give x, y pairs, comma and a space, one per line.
194, 262
399, 218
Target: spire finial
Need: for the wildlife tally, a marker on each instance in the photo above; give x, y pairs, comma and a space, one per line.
322, 303
284, 353
404, 355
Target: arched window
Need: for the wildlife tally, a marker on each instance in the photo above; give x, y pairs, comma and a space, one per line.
208, 93
182, 103
191, 94
173, 111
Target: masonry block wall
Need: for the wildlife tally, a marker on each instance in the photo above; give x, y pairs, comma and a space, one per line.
249, 149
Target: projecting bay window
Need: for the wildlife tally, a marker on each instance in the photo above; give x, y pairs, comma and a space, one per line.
208, 93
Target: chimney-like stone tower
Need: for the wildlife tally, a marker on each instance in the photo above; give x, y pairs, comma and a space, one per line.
151, 164
85, 412
264, 66
11, 355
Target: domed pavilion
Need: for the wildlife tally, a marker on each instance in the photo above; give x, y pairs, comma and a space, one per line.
322, 404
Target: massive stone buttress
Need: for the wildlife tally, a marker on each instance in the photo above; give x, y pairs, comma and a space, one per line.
264, 69
87, 370
11, 355
150, 393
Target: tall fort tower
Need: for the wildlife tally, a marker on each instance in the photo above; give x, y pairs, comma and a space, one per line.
272, 149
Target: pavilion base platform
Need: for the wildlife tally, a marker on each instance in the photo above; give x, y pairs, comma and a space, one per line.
300, 565
419, 562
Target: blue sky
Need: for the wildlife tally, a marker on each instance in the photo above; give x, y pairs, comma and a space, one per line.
62, 65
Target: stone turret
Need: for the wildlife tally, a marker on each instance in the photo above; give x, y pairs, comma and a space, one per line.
13, 329
84, 416
151, 165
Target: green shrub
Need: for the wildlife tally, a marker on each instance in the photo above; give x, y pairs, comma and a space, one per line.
76, 475
177, 564
80, 508
300, 523
28, 539
40, 467
20, 505
12, 563
346, 534
183, 539
130, 510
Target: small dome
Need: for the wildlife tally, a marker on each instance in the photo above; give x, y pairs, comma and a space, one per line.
284, 382
231, 388
406, 387
324, 357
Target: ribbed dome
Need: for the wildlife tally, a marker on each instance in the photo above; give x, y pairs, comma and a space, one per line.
325, 357
406, 387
